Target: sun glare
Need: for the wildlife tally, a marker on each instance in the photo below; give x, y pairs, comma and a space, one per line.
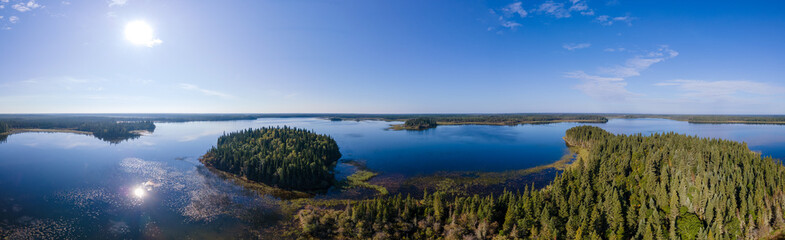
140, 33
139, 192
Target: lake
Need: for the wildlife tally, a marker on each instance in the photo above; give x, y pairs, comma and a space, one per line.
60, 185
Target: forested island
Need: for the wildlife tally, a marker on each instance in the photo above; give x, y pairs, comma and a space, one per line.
662, 186
283, 157
420, 123
426, 121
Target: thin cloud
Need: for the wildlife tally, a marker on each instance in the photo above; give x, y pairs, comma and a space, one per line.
717, 90
24, 7
612, 86
508, 12
13, 19
606, 90
555, 9
582, 75
615, 49
515, 8
608, 20
509, 24
118, 3
574, 46
153, 42
632, 67
192, 87
507, 15
582, 7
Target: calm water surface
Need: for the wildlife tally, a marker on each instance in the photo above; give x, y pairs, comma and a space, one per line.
57, 185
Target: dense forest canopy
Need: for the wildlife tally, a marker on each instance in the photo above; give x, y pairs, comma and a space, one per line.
285, 157
3, 127
663, 186
420, 123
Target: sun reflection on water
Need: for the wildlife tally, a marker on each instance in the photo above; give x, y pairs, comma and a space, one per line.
139, 192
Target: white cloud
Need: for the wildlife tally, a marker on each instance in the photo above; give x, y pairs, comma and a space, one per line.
117, 2
509, 24
13, 19
615, 49
606, 88
582, 7
24, 7
608, 20
153, 42
612, 86
192, 87
574, 46
578, 5
515, 8
633, 66
582, 75
554, 8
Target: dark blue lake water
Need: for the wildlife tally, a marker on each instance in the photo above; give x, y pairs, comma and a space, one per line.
67, 185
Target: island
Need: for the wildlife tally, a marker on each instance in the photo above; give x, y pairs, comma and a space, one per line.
659, 186
420, 123
427, 121
280, 157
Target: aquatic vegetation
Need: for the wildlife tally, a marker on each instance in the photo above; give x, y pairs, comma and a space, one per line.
360, 179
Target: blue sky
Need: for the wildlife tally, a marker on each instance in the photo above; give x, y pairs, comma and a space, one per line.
717, 57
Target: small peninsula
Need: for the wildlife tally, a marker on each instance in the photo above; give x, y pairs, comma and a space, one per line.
660, 186
282, 157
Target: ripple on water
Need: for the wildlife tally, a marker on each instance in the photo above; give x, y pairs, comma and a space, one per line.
196, 195
29, 228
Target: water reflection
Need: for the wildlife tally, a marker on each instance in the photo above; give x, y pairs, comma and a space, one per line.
74, 186
139, 192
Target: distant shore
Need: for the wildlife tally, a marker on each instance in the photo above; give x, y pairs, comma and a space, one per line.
24, 130
399, 127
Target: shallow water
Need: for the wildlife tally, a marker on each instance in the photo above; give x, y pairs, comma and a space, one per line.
57, 185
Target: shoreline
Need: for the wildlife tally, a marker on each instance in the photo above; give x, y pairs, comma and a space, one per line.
26, 130
260, 188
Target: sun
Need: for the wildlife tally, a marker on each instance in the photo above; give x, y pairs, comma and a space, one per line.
140, 33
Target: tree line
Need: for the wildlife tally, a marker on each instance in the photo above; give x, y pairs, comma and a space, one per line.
107, 129
285, 157
420, 123
662, 186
